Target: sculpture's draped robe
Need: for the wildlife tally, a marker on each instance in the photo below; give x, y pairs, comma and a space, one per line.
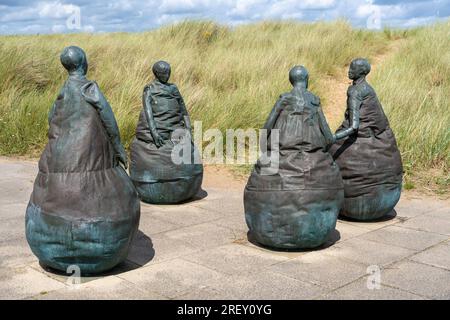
158, 178
84, 209
369, 160
297, 206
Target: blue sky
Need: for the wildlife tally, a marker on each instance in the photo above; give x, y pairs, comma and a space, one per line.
61, 16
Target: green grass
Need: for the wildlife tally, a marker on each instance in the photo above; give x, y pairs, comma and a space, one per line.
230, 78
414, 87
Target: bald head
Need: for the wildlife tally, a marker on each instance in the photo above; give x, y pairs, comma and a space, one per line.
161, 70
74, 60
359, 67
299, 74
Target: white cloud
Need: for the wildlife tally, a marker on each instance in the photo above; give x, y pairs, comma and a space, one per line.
58, 28
55, 9
46, 16
89, 28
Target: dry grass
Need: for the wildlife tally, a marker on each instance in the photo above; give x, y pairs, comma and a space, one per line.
230, 78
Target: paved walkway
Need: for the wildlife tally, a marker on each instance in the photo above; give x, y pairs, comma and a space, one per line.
200, 250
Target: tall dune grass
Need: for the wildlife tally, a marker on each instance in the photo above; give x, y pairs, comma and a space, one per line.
414, 87
230, 78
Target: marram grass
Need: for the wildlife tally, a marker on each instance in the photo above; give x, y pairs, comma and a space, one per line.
231, 77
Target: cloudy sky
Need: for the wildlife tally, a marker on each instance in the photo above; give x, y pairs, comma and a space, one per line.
60, 16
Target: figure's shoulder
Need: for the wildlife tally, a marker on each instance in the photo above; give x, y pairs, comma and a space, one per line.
89, 87
366, 89
285, 97
173, 88
354, 90
361, 90
151, 87
92, 93
315, 100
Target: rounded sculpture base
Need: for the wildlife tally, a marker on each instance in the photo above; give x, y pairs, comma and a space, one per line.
169, 192
374, 205
92, 245
292, 219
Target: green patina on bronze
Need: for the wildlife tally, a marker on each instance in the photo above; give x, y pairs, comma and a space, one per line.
295, 204
366, 152
84, 209
164, 124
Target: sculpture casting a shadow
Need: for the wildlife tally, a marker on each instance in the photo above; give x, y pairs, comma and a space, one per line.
84, 209
165, 165
368, 158
293, 203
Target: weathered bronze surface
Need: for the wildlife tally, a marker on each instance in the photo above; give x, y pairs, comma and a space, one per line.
366, 152
297, 206
163, 125
84, 209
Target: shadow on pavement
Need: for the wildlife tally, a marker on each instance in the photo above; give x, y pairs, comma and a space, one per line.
391, 215
332, 239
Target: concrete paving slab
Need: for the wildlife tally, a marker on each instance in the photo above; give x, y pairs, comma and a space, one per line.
200, 250
348, 231
405, 238
15, 253
413, 207
109, 288
18, 168
204, 236
224, 201
438, 256
427, 223
265, 285
157, 249
315, 267
235, 259
17, 190
171, 278
368, 252
65, 278
186, 215
442, 213
12, 229
419, 279
20, 283
150, 224
235, 222
12, 211
205, 293
358, 290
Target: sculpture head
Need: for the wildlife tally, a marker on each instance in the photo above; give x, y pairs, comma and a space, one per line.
358, 68
161, 70
299, 75
74, 60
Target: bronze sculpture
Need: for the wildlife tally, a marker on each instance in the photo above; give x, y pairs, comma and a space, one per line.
163, 126
84, 209
297, 206
368, 158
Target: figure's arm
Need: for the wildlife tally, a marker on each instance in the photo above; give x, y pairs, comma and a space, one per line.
187, 119
93, 95
354, 102
325, 128
148, 111
273, 116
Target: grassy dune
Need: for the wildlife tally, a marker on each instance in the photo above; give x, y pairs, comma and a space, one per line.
230, 78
